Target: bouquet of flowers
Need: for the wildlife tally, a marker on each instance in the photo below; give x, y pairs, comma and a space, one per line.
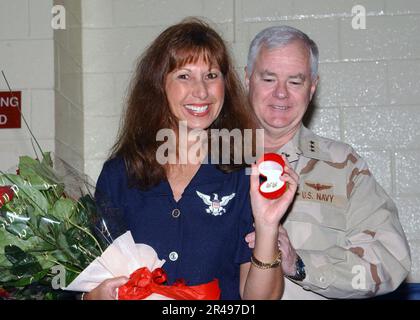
49, 229
51, 235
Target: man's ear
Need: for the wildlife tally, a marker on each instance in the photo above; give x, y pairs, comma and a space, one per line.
314, 85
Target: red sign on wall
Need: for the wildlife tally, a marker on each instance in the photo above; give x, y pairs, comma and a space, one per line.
10, 106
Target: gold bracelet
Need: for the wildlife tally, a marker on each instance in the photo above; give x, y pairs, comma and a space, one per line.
261, 265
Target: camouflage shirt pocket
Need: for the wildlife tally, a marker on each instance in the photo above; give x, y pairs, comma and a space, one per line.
320, 226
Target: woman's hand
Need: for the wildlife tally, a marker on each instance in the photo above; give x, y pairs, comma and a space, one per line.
268, 212
107, 290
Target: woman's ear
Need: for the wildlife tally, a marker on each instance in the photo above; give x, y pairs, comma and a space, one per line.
247, 76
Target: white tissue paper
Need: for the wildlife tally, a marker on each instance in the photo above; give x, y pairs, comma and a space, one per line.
121, 258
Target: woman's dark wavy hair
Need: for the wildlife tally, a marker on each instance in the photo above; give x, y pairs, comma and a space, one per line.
147, 109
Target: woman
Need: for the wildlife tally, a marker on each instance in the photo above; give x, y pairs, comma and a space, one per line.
194, 215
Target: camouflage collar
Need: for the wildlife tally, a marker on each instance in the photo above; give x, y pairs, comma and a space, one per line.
311, 145
291, 149
305, 143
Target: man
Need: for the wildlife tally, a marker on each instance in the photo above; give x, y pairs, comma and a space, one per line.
342, 237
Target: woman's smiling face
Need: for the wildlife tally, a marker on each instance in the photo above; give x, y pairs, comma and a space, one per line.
195, 92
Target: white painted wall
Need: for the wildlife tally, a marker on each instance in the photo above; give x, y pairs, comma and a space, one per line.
369, 95
69, 120
26, 57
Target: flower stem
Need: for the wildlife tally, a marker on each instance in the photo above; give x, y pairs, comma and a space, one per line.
88, 233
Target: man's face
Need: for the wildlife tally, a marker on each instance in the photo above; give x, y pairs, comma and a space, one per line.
280, 87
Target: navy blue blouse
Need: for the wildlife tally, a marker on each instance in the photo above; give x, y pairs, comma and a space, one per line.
201, 236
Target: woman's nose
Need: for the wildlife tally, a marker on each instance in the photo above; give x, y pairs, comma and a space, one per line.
200, 90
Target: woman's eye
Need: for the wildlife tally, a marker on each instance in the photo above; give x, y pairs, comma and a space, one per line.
268, 80
212, 75
183, 76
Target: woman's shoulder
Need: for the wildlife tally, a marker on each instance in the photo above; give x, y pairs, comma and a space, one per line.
113, 169
114, 164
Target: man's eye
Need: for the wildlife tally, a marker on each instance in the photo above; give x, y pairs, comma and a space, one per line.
296, 83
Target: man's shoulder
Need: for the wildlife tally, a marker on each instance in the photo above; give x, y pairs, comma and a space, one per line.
321, 148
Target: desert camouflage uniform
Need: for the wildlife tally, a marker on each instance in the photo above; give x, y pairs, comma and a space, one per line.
342, 223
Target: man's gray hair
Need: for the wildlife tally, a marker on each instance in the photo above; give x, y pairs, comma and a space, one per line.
279, 36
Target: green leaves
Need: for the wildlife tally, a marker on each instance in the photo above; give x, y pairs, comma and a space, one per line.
41, 227
20, 229
25, 267
40, 174
64, 209
23, 263
26, 194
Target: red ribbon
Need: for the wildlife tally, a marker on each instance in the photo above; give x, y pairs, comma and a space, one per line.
6, 195
4, 293
143, 283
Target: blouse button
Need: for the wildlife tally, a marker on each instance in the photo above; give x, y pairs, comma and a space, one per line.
176, 213
173, 256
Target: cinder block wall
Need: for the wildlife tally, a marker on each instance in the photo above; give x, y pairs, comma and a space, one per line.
69, 119
26, 57
369, 95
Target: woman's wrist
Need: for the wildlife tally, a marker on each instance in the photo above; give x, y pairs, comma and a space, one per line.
266, 234
266, 246
266, 228
267, 265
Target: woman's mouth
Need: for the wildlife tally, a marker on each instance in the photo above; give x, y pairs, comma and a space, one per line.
197, 109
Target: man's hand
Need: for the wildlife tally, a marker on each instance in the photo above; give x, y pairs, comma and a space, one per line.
289, 255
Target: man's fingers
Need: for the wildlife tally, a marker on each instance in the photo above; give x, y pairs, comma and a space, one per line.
282, 229
283, 241
250, 237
